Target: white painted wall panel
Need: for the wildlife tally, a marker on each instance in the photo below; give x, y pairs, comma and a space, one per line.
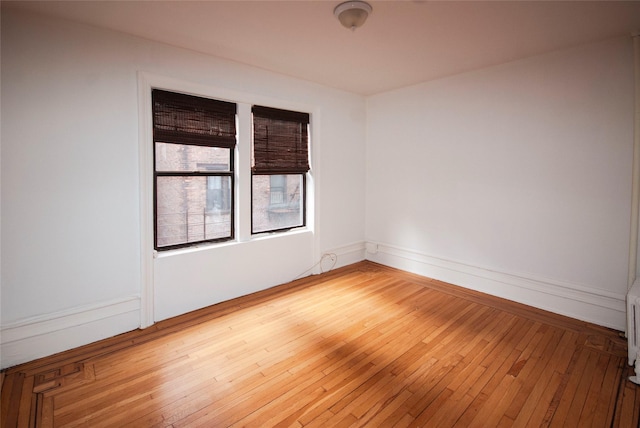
193, 280
523, 168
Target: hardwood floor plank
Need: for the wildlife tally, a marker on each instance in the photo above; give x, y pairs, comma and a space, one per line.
492, 375
439, 401
606, 405
458, 402
46, 420
381, 417
532, 381
627, 413
24, 409
588, 414
557, 363
580, 394
535, 415
441, 388
11, 393
321, 421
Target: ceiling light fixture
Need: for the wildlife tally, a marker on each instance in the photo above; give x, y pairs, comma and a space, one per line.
352, 14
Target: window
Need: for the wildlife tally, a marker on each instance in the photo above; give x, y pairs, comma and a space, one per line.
194, 140
279, 166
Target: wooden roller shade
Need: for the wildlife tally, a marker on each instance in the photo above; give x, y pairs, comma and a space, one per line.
280, 141
187, 119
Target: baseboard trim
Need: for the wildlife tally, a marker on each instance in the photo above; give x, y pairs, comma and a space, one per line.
348, 254
37, 337
574, 300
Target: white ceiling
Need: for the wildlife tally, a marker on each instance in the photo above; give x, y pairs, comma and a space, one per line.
402, 42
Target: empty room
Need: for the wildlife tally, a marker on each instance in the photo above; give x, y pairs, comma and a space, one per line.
320, 213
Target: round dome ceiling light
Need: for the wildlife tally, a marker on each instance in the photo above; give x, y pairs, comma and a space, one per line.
352, 14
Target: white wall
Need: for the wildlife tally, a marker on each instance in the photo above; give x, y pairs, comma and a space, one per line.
513, 180
71, 226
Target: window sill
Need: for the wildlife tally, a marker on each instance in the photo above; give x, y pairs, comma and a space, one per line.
276, 234
227, 244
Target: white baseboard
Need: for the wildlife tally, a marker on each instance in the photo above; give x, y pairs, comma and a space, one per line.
576, 301
347, 254
37, 337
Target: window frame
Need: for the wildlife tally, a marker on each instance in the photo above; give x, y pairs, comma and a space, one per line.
230, 173
303, 208
292, 116
157, 174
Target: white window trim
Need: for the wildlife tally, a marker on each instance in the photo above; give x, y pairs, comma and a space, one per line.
242, 163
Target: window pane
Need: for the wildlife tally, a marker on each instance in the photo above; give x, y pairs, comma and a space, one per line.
277, 202
182, 157
192, 209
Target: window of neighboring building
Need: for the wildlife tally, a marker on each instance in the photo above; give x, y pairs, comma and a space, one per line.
218, 188
279, 166
194, 140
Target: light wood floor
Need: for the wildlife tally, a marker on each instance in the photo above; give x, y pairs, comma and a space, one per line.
364, 345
